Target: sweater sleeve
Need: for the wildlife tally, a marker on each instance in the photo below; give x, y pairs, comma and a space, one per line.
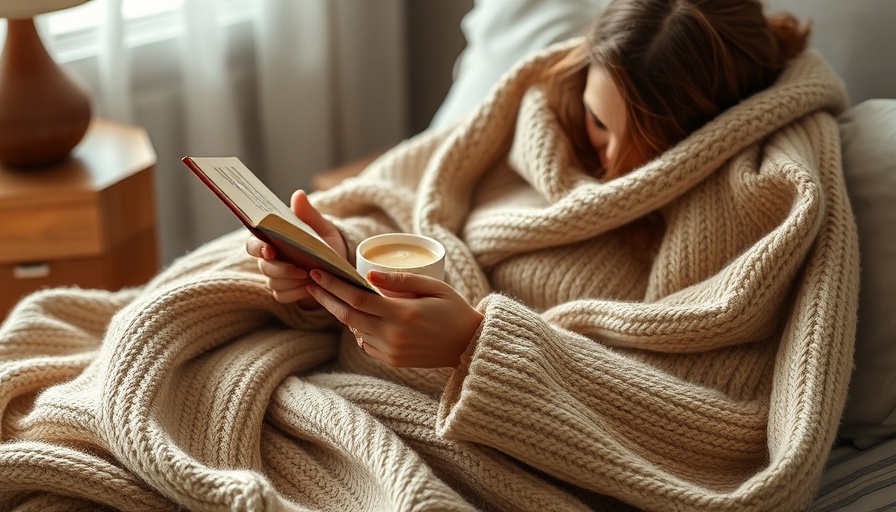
356, 229
590, 415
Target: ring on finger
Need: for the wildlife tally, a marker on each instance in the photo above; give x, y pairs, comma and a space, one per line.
358, 337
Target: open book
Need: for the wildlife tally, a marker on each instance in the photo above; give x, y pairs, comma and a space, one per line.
268, 218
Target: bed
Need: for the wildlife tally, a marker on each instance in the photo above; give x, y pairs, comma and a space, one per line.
181, 429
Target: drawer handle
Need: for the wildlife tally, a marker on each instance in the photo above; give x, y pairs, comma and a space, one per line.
31, 271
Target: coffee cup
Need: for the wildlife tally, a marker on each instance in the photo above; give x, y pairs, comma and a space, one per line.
401, 252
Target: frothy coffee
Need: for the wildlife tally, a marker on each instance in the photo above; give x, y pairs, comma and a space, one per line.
400, 255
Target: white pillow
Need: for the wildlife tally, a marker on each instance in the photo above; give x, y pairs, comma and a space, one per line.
868, 132
499, 34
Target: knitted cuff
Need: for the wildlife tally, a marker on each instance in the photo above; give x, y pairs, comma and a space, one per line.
353, 235
487, 395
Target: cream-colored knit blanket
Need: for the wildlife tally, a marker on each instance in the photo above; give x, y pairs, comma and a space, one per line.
710, 377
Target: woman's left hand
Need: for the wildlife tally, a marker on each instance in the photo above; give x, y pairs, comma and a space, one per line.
424, 323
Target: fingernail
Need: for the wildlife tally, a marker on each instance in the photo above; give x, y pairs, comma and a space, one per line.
316, 275
266, 252
376, 276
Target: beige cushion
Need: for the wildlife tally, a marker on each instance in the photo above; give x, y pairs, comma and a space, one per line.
869, 164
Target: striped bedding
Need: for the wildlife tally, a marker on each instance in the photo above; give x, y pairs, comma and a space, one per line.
859, 480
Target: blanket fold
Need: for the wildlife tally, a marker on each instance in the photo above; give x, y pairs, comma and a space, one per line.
709, 376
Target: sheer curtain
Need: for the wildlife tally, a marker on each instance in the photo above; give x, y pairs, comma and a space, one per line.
290, 86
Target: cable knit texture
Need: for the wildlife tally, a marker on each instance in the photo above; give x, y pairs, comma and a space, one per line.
710, 375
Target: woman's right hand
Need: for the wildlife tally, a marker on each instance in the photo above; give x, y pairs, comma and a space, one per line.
286, 281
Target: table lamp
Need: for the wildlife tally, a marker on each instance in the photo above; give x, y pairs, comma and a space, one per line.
43, 112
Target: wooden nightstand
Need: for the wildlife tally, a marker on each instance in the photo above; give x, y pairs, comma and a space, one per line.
89, 221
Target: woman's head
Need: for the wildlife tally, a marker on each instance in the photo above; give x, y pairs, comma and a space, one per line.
675, 64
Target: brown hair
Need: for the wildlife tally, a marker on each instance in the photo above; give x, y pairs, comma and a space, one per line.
676, 63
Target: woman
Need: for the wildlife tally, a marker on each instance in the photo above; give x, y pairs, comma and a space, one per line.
619, 298
650, 73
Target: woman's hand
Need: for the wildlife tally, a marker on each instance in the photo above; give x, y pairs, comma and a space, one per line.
286, 281
424, 323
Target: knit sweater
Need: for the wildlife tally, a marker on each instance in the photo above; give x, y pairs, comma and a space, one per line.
709, 374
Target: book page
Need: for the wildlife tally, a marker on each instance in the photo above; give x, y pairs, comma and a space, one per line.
246, 192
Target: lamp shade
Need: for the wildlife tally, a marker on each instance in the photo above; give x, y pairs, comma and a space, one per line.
29, 8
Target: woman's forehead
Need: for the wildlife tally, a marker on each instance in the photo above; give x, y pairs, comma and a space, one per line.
603, 99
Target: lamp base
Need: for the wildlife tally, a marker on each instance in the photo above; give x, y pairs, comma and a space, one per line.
43, 112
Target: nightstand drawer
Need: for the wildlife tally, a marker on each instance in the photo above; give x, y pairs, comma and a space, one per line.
19, 280
41, 233
129, 263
